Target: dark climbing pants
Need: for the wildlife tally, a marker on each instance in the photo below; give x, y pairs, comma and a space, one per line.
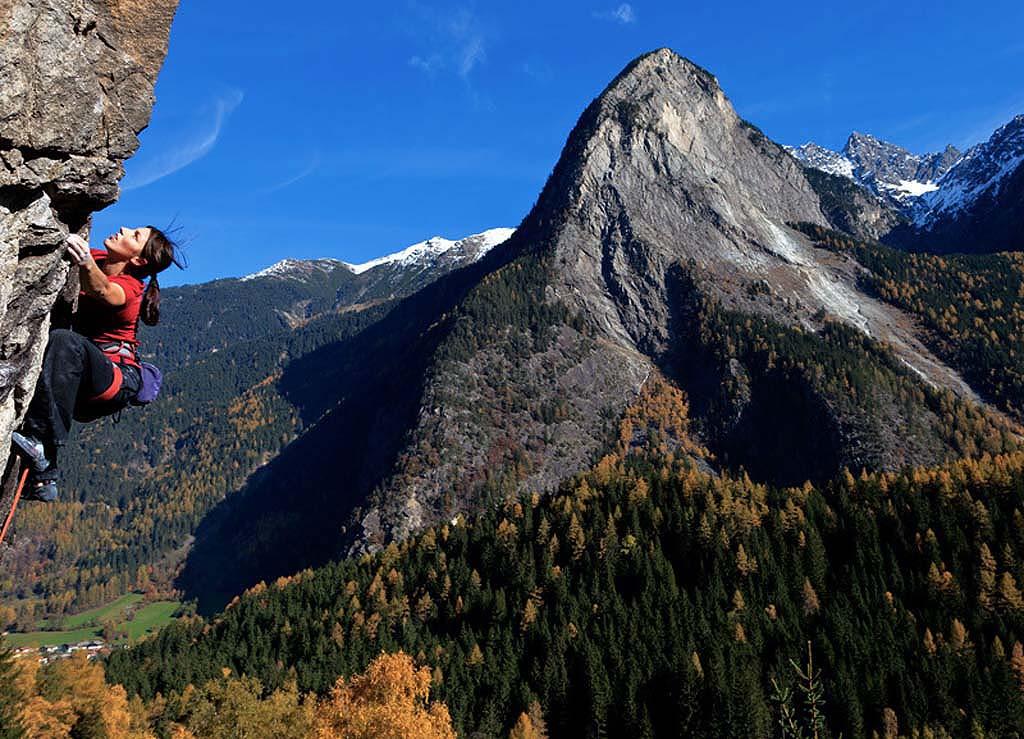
75, 373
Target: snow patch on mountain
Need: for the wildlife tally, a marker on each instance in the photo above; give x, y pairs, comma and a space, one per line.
980, 171
909, 188
818, 157
295, 269
425, 252
422, 254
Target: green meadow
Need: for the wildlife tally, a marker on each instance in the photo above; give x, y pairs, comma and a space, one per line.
123, 613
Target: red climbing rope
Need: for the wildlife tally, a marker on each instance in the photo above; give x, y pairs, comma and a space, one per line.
14, 503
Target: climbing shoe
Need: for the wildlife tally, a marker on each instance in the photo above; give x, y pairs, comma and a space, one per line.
32, 449
41, 486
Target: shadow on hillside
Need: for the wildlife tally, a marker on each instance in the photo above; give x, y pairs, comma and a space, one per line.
358, 398
772, 424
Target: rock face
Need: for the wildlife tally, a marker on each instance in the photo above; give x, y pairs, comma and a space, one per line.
661, 171
76, 88
887, 165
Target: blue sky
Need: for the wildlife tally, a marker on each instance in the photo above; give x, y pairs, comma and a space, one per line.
352, 130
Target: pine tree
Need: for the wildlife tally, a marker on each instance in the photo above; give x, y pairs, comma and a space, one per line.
10, 697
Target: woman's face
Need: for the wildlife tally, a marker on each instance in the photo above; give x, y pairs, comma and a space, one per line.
126, 244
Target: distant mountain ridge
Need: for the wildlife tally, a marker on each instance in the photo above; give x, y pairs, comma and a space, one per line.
430, 252
948, 201
212, 316
423, 255
887, 170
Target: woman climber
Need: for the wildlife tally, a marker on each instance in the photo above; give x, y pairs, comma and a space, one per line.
94, 370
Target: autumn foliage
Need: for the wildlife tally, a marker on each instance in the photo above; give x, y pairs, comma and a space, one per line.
388, 701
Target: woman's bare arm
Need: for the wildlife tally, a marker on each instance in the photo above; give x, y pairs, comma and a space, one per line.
94, 283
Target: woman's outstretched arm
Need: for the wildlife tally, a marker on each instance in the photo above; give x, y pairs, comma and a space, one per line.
94, 282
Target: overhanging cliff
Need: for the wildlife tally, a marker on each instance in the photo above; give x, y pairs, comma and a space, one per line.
76, 88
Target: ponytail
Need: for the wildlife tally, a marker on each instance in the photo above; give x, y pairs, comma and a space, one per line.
159, 252
150, 308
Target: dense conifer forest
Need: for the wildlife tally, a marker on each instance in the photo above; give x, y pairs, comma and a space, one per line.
650, 596
969, 304
218, 418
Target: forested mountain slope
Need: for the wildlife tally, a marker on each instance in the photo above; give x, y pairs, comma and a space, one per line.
135, 489
662, 241
650, 597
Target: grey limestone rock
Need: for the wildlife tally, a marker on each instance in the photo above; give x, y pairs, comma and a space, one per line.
76, 88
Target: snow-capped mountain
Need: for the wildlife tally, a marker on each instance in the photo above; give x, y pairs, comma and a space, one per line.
292, 292
982, 171
890, 172
948, 201
422, 255
426, 253
826, 160
295, 269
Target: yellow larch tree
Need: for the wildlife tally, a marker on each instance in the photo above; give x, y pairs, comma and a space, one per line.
388, 701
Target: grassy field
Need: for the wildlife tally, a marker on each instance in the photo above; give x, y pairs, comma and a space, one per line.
95, 615
151, 617
146, 619
51, 638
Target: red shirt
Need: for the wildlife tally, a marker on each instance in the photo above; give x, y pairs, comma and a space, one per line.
105, 323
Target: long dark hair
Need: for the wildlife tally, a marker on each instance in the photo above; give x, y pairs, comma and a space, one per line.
159, 253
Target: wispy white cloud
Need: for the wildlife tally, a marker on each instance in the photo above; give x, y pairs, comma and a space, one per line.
624, 14
471, 54
456, 41
429, 64
193, 143
309, 168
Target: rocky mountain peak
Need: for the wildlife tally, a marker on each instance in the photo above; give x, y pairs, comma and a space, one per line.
859, 141
942, 161
661, 171
424, 254
894, 175
661, 174
889, 166
977, 201
662, 193
981, 169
